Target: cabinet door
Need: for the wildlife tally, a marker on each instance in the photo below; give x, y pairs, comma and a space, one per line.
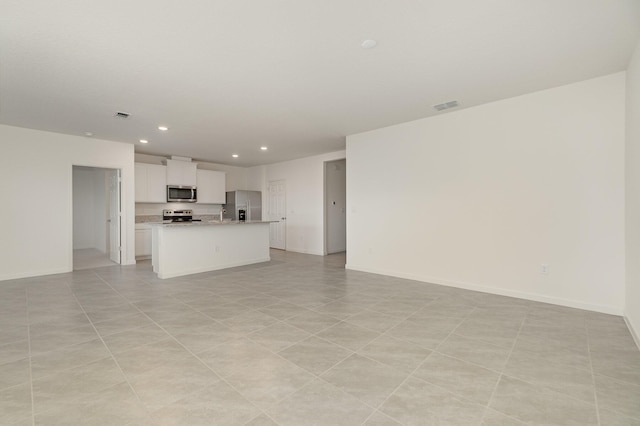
141, 182
181, 173
143, 242
156, 184
140, 242
147, 242
189, 176
151, 183
174, 172
211, 187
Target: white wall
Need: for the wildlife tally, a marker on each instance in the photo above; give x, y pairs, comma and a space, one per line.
335, 179
39, 164
482, 197
83, 209
632, 305
90, 208
305, 198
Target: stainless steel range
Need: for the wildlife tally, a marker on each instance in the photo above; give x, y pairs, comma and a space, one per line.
178, 216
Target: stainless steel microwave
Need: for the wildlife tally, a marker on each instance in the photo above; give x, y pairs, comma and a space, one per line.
181, 194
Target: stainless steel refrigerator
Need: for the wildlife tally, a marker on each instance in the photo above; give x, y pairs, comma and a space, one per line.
249, 201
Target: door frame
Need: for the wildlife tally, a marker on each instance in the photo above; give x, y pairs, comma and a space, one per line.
122, 213
284, 224
118, 215
325, 205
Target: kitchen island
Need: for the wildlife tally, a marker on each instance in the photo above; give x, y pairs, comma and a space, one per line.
193, 247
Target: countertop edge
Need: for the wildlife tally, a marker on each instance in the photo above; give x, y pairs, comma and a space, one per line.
211, 223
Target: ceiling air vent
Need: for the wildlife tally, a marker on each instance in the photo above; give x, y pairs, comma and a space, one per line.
446, 105
121, 114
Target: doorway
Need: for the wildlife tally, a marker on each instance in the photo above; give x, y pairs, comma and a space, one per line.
96, 217
278, 212
335, 202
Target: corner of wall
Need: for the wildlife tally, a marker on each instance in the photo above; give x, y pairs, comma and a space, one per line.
632, 196
633, 331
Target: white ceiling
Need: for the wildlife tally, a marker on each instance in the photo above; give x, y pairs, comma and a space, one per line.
230, 76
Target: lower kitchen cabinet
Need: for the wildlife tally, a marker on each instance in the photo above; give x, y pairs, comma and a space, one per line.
143, 241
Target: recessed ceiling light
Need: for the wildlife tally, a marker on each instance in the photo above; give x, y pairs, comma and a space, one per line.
235, 155
369, 44
264, 148
144, 141
163, 128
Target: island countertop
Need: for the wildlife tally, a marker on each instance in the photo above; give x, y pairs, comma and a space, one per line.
210, 223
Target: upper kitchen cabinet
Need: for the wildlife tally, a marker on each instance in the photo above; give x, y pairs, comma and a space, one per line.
181, 173
211, 187
151, 183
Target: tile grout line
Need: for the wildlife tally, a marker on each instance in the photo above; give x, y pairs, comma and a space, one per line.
493, 370
316, 377
106, 346
434, 350
410, 375
495, 388
614, 379
352, 352
593, 374
380, 334
545, 387
195, 356
33, 405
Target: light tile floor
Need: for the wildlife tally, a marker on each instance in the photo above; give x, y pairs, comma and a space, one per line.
301, 341
90, 259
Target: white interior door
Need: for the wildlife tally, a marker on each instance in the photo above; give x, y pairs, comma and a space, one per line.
114, 215
277, 211
335, 184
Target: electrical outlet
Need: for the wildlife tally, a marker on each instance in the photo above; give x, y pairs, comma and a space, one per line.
544, 269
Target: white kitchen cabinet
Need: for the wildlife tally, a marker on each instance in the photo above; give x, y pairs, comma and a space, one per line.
151, 183
143, 241
181, 173
211, 187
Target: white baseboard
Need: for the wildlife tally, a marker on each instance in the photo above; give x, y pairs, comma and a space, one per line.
31, 274
303, 251
209, 268
495, 290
